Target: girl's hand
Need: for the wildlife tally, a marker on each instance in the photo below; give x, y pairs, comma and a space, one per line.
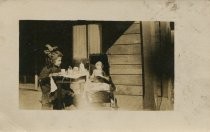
107, 78
50, 75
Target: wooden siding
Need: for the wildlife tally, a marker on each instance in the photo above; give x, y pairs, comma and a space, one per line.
126, 68
127, 79
129, 90
134, 28
129, 39
128, 102
125, 59
125, 49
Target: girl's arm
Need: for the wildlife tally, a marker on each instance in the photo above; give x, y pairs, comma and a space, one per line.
105, 76
48, 72
44, 75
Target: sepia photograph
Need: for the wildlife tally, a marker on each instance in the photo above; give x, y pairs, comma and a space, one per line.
96, 65
104, 66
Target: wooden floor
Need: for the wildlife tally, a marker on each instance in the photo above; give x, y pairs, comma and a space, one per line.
29, 99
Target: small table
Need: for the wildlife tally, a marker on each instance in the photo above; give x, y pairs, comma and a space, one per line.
62, 81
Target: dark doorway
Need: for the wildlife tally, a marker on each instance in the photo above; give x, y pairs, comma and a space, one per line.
33, 35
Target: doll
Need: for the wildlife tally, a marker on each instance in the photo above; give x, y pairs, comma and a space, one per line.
98, 74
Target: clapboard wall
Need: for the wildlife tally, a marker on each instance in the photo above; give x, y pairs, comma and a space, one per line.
126, 68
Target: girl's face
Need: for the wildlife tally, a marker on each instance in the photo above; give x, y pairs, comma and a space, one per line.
58, 61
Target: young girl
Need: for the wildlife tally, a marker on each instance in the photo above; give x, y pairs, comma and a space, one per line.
54, 58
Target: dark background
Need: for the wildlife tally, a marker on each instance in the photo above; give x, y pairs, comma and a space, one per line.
35, 34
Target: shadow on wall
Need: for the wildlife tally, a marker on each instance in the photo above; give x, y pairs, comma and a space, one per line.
111, 31
162, 61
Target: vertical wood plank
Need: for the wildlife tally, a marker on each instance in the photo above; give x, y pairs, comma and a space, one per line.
164, 26
36, 82
79, 42
94, 38
148, 45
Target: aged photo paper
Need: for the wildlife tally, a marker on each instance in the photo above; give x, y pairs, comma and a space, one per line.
104, 65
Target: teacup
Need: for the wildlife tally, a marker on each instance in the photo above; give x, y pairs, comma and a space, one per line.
63, 71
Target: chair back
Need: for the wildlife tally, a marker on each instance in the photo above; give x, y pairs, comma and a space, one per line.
94, 58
